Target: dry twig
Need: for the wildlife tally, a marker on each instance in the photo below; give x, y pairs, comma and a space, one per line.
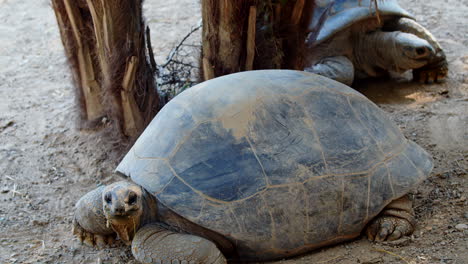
393, 254
180, 70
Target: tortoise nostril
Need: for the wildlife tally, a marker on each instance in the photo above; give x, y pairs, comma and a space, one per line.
119, 210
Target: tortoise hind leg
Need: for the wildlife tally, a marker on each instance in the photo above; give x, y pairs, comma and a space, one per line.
394, 222
437, 67
156, 244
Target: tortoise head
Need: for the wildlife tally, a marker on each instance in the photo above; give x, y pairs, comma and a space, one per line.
411, 52
123, 207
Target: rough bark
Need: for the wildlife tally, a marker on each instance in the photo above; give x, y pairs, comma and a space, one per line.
105, 43
253, 34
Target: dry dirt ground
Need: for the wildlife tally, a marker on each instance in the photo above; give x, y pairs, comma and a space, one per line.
47, 163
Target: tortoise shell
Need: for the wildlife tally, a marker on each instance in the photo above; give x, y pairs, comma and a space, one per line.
343, 13
277, 161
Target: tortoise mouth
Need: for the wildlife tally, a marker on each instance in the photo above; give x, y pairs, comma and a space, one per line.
122, 216
125, 227
119, 217
414, 55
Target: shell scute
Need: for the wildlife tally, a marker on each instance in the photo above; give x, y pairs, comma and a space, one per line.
288, 145
165, 135
153, 174
380, 189
324, 206
255, 221
214, 162
403, 173
179, 195
420, 158
355, 203
388, 138
346, 143
290, 223
217, 215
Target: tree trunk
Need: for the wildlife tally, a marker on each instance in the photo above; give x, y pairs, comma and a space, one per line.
105, 43
253, 34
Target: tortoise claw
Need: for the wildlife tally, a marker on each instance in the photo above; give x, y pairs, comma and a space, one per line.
388, 228
100, 241
397, 233
435, 71
91, 239
78, 231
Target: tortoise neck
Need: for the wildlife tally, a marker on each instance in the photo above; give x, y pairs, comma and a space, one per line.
150, 209
174, 222
375, 52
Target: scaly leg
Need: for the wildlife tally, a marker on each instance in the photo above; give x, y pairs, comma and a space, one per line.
437, 68
89, 222
338, 68
155, 244
395, 221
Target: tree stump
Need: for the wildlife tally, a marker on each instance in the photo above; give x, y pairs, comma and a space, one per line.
253, 34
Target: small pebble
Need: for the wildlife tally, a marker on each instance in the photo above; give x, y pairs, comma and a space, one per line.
466, 215
461, 227
37, 222
444, 92
444, 175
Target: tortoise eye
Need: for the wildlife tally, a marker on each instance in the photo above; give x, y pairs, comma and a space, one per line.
108, 198
132, 198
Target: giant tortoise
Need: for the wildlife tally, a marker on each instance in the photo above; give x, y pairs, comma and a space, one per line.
365, 38
258, 165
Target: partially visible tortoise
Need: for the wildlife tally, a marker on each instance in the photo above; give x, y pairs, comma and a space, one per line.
258, 165
354, 40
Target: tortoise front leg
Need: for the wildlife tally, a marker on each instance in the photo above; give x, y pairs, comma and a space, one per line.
338, 68
155, 244
89, 222
395, 221
437, 67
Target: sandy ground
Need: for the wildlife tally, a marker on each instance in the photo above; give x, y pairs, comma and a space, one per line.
46, 163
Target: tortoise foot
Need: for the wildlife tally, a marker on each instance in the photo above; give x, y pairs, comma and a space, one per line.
91, 239
394, 222
389, 228
435, 71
